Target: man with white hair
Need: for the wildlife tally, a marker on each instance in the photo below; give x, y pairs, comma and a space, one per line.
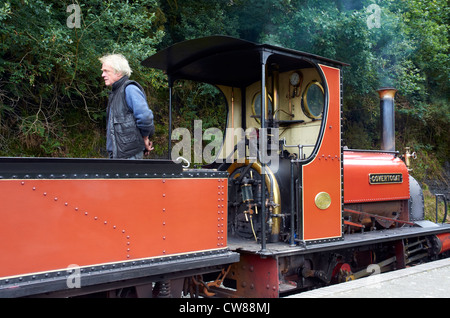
129, 119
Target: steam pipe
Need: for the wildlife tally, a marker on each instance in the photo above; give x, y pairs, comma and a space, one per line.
264, 57
387, 118
292, 239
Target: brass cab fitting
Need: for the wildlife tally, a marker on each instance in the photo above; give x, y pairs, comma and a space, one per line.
407, 156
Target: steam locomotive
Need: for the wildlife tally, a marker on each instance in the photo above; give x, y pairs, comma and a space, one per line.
282, 208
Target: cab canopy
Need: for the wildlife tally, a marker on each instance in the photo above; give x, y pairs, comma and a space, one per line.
224, 60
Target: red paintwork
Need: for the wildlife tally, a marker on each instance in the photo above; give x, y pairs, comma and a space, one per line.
255, 277
444, 239
323, 174
358, 166
48, 225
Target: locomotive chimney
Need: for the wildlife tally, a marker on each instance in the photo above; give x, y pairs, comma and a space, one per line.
387, 118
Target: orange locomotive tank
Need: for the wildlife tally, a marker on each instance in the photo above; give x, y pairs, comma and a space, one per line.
106, 218
374, 176
375, 183
87, 222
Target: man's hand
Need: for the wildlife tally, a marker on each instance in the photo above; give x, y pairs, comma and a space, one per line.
148, 146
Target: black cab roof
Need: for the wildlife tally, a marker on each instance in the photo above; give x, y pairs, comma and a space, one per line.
224, 60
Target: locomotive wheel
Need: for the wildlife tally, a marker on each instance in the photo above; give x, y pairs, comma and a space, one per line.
342, 273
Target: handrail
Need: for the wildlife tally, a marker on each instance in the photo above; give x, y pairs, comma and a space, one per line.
300, 149
378, 216
444, 199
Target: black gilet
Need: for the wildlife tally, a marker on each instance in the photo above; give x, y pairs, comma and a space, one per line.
125, 137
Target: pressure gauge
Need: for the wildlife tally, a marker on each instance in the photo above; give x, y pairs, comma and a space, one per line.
295, 78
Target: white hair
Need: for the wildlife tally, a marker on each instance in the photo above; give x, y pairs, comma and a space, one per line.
118, 62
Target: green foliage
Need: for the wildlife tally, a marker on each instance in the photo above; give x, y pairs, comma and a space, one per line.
193, 19
49, 73
47, 69
408, 51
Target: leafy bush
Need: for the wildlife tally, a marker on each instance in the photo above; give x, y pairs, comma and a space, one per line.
48, 69
51, 91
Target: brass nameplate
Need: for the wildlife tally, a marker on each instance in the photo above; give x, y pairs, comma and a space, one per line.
383, 178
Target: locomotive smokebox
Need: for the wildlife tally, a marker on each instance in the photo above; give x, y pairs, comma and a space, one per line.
387, 118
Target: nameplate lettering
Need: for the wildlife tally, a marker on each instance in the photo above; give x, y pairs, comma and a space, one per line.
383, 178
